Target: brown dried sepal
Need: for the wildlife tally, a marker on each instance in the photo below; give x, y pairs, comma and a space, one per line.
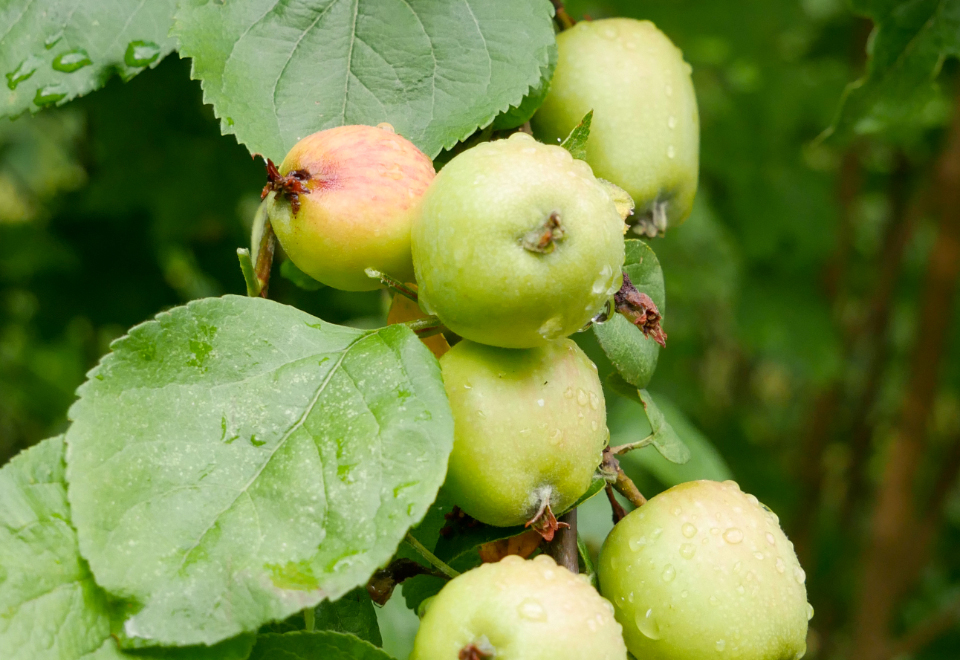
290, 186
381, 584
471, 652
544, 239
522, 545
545, 523
640, 310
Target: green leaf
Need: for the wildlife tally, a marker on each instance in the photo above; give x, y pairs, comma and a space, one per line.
289, 271
325, 645
663, 437
436, 71
52, 51
586, 564
633, 355
236, 460
352, 613
907, 49
51, 607
521, 114
576, 142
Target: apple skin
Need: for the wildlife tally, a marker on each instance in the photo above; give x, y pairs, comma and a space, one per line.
528, 425
645, 133
365, 185
471, 265
704, 571
523, 609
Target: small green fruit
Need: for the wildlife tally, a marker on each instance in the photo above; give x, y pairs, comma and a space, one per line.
364, 185
645, 135
704, 571
528, 610
529, 429
517, 244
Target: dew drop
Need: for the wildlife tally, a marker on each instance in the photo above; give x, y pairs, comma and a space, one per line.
720, 645
714, 530
53, 40
49, 94
594, 425
548, 574
594, 401
677, 511
688, 550
647, 624
568, 393
668, 90
669, 573
671, 152
688, 530
671, 122
637, 542
556, 437
758, 555
731, 484
737, 567
592, 625
809, 611
799, 575
141, 53
753, 500
525, 433
541, 402
733, 535
531, 610
609, 33
384, 126
740, 589
656, 533
781, 567
770, 539
23, 71
581, 397
71, 61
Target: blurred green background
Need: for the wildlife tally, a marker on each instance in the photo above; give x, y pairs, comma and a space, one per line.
803, 315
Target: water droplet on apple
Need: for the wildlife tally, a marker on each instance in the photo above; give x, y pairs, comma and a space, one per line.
720, 645
688, 550
781, 567
799, 575
647, 624
688, 530
384, 126
733, 535
532, 610
669, 573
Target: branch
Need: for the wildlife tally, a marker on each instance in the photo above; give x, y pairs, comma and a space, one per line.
619, 480
619, 513
563, 547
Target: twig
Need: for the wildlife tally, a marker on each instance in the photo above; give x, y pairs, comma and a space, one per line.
430, 557
268, 243
618, 479
425, 327
563, 547
619, 450
563, 18
619, 513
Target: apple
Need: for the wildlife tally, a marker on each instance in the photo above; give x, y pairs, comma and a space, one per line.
529, 429
517, 244
704, 571
645, 133
516, 608
362, 185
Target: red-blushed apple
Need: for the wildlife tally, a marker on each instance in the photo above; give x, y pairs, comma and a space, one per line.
362, 188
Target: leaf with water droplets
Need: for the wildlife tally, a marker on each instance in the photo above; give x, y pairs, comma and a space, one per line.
634, 355
434, 70
52, 609
52, 51
235, 461
315, 645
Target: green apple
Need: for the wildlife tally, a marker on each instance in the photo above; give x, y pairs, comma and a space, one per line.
529, 429
645, 134
364, 184
519, 609
704, 571
517, 244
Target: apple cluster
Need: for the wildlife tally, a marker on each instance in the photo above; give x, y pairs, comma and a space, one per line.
514, 246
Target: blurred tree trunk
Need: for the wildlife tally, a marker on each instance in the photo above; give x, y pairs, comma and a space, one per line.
890, 560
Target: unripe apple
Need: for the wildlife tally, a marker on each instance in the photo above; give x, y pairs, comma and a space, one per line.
529, 429
363, 184
704, 571
645, 134
523, 609
517, 244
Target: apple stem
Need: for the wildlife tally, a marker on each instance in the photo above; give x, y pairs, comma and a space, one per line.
618, 479
563, 547
563, 18
619, 513
426, 327
618, 450
430, 557
392, 284
249, 275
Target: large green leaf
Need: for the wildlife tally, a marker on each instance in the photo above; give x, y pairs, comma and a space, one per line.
50, 607
910, 42
315, 646
352, 613
277, 72
54, 50
236, 460
633, 355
